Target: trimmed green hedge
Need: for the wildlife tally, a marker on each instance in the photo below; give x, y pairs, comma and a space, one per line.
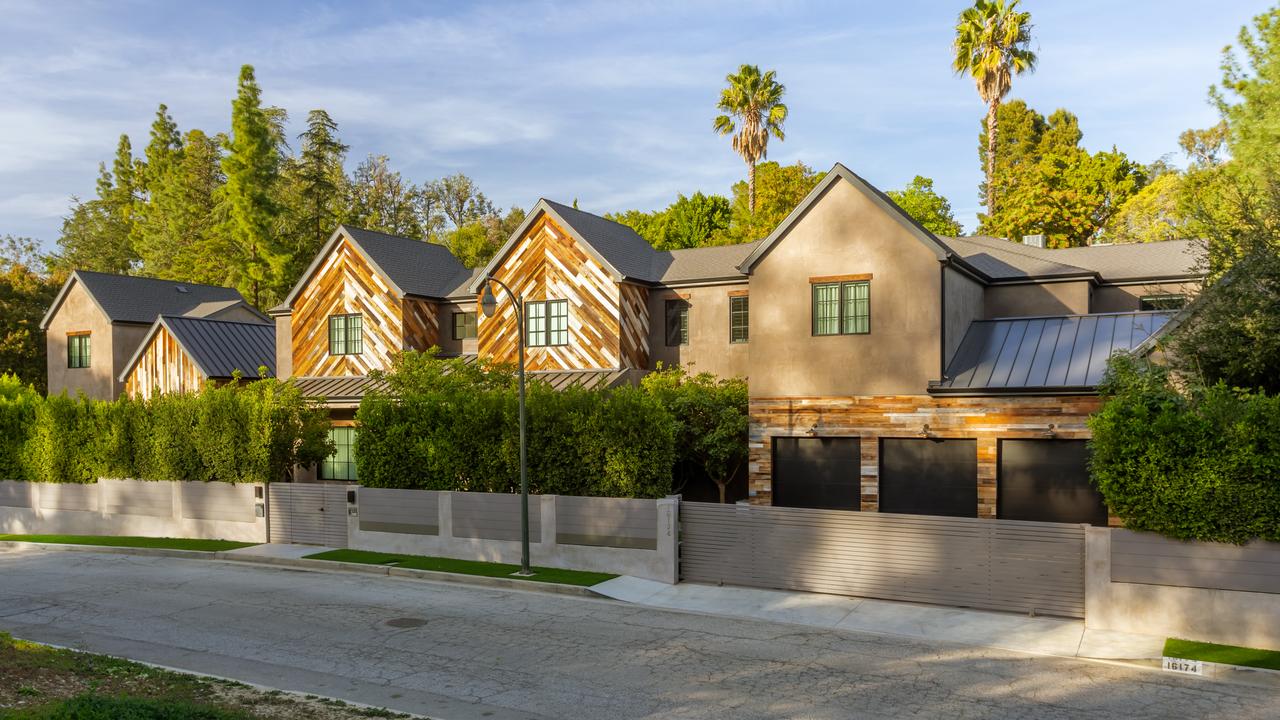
1191, 463
254, 432
446, 425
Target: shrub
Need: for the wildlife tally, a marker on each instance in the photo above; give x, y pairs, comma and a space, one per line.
17, 414
711, 423
1192, 463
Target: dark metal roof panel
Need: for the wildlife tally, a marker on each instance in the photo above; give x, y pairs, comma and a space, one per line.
1060, 353
222, 347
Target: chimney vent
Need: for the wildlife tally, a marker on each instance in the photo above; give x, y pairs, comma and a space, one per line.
182, 289
1033, 240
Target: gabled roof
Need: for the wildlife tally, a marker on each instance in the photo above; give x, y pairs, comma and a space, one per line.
134, 299
837, 173
1059, 354
410, 267
219, 348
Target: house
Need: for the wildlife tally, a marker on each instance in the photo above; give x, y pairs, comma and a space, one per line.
98, 321
183, 354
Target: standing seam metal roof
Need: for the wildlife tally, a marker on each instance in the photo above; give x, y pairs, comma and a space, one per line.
222, 347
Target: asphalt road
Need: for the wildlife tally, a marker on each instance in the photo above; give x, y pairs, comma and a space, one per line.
460, 652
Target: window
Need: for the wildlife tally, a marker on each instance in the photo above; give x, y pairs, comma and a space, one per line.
546, 323
78, 351
842, 308
1162, 302
677, 322
738, 319
464, 325
341, 465
346, 334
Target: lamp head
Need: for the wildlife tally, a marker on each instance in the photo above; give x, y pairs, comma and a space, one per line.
488, 303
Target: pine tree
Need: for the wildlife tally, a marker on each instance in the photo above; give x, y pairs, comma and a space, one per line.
164, 149
317, 185
98, 234
182, 238
252, 165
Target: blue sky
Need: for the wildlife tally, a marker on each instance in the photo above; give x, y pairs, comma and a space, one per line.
607, 102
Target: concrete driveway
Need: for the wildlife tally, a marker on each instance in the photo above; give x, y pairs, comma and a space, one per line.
459, 652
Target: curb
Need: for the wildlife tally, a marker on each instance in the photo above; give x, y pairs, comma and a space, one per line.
322, 565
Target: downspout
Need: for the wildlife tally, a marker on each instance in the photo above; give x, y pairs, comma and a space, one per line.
942, 335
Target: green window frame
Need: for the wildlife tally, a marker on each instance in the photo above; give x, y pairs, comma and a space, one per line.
464, 325
535, 324
346, 334
842, 308
341, 465
1162, 301
677, 315
558, 322
78, 351
739, 319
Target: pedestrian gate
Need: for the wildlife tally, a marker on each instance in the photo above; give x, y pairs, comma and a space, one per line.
308, 513
964, 562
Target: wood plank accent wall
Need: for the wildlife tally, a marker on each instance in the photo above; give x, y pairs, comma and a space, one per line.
163, 368
421, 324
903, 416
548, 264
347, 284
635, 326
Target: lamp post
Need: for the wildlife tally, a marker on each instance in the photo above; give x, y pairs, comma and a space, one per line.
489, 304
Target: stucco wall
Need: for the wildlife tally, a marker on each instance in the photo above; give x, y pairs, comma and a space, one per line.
1125, 298
1059, 298
709, 349
448, 345
78, 313
284, 347
126, 338
965, 298
846, 233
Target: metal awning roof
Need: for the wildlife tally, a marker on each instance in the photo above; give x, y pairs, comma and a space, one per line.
1063, 354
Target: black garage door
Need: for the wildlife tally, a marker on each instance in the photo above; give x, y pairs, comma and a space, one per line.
1048, 481
924, 476
817, 473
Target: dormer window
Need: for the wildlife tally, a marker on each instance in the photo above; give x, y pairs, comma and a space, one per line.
346, 334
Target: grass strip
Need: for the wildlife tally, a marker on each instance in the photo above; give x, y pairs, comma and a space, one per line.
131, 541
464, 567
1223, 654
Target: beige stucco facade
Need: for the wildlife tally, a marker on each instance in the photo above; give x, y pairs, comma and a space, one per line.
1128, 297
1049, 298
79, 314
709, 348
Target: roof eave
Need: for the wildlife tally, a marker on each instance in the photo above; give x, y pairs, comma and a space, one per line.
542, 207
337, 236
1006, 391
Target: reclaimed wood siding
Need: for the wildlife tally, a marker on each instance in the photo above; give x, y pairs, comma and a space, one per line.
421, 324
548, 264
163, 368
635, 326
986, 420
347, 284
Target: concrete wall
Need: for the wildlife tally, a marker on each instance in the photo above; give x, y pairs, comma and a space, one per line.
1251, 619
480, 526
845, 233
1126, 298
1058, 298
709, 349
79, 313
218, 511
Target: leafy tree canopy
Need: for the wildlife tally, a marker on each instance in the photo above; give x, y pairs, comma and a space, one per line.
927, 207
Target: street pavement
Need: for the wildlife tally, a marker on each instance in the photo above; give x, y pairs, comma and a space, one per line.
458, 652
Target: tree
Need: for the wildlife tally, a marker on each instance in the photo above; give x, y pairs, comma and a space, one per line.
1150, 215
689, 222
161, 152
1249, 96
752, 111
382, 200
459, 199
98, 234
182, 237
316, 183
476, 242
1204, 148
780, 189
927, 207
25, 294
992, 45
252, 166
712, 421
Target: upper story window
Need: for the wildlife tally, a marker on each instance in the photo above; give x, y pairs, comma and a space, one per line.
546, 323
677, 322
1167, 301
738, 317
464, 325
346, 334
78, 350
842, 308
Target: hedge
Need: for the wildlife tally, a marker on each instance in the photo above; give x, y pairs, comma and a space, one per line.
1195, 463
446, 425
255, 432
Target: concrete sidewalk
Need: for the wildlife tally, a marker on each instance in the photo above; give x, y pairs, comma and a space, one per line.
1039, 635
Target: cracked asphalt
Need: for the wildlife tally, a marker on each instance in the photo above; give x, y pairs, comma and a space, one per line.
499, 654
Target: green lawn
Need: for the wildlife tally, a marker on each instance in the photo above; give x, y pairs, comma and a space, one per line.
129, 541
464, 567
1224, 654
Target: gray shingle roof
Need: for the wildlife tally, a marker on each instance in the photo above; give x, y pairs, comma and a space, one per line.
221, 347
719, 261
416, 267
133, 299
629, 254
1005, 260
1064, 353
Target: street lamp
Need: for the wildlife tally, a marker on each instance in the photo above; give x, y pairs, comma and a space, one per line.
489, 304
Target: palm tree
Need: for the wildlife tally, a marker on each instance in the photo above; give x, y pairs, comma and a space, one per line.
992, 45
753, 110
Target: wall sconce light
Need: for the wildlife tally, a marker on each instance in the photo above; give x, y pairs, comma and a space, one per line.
1049, 432
925, 432
812, 431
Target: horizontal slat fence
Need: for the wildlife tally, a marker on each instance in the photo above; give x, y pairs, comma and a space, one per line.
607, 522
1155, 560
966, 562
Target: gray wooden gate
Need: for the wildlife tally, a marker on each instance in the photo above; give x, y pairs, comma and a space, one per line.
308, 513
963, 562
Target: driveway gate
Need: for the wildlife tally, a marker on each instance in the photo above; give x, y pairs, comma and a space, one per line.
964, 562
308, 513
